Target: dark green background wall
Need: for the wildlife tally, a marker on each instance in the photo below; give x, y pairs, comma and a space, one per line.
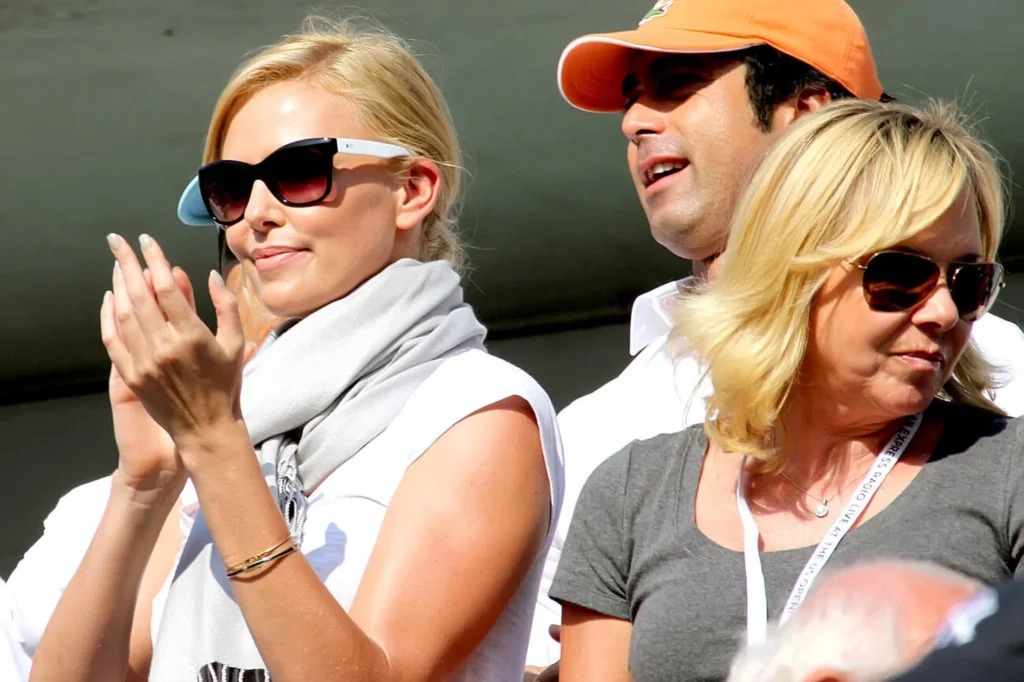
104, 104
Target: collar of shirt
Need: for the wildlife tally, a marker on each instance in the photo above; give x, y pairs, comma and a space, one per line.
651, 318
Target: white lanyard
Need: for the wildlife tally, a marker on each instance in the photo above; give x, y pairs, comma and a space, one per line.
757, 600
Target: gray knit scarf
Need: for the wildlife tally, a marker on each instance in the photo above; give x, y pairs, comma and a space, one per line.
313, 397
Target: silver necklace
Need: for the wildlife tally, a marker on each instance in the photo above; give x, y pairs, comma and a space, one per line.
821, 511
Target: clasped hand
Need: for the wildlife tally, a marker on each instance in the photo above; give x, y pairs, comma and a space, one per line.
187, 378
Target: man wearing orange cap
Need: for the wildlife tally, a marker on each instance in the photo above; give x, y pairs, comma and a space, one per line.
704, 88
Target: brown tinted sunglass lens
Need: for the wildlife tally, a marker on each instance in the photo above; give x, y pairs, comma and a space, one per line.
226, 189
896, 281
973, 287
300, 175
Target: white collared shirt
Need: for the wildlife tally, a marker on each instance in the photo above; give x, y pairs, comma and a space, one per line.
653, 395
1002, 344
656, 394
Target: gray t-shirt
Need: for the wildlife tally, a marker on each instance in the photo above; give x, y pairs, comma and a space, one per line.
634, 551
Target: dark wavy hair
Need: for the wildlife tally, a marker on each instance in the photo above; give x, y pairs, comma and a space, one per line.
773, 77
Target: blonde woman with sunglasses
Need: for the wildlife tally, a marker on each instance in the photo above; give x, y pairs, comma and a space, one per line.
850, 415
375, 490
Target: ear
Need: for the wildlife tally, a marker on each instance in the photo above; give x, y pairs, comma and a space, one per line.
826, 675
419, 189
804, 102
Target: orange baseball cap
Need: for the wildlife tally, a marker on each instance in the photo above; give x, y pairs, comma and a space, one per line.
825, 34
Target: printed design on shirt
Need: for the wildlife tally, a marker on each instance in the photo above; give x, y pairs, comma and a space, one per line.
660, 9
218, 672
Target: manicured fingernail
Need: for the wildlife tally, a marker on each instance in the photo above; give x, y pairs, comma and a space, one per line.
113, 241
145, 241
216, 278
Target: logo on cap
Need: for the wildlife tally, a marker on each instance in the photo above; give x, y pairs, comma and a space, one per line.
660, 9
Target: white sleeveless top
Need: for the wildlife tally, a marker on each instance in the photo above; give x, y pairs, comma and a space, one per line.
345, 513
14, 663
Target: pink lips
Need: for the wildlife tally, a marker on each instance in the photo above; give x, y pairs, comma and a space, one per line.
924, 360
271, 257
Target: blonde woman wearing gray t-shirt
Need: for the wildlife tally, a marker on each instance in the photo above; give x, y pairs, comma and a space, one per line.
850, 416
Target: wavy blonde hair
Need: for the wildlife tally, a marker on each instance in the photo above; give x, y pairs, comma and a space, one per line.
853, 178
396, 98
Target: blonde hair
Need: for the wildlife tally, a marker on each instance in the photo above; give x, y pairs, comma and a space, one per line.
855, 177
398, 102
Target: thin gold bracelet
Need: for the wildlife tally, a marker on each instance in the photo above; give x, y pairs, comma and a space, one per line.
263, 557
265, 560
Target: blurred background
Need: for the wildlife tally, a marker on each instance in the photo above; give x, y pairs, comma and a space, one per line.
104, 104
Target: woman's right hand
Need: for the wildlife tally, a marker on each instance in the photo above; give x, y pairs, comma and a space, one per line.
148, 462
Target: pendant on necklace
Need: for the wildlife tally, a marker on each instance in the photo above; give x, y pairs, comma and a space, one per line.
821, 511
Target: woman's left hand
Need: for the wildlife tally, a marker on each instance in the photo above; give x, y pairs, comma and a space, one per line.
188, 378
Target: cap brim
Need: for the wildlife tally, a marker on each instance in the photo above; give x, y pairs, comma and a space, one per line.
191, 209
592, 68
